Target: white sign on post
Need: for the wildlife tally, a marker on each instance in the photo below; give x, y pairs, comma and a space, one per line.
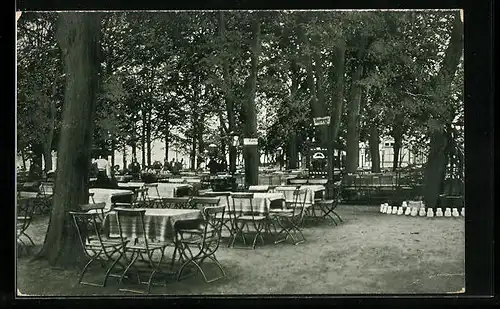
318, 121
250, 141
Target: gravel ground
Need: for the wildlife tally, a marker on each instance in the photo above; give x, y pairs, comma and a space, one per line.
369, 252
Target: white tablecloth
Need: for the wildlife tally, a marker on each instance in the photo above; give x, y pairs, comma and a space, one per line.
166, 189
105, 195
310, 193
261, 202
131, 184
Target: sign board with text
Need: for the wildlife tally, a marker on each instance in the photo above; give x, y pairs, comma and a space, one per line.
319, 121
250, 141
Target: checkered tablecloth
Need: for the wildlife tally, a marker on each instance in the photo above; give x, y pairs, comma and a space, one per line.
158, 223
261, 202
166, 189
309, 194
105, 195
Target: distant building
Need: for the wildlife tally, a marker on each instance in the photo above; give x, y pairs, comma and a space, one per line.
386, 148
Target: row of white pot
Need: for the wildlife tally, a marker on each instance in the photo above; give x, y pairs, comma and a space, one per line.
420, 211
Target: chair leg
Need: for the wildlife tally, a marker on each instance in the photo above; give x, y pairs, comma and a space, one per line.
85, 270
29, 238
337, 216
134, 258
108, 271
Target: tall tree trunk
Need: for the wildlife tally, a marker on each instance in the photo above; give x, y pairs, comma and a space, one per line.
435, 167
113, 149
251, 153
23, 158
124, 156
47, 151
143, 137
353, 122
374, 144
337, 102
148, 138
317, 106
228, 97
78, 36
397, 135
167, 133
292, 150
199, 137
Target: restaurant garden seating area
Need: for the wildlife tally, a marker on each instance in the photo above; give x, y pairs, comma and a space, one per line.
149, 233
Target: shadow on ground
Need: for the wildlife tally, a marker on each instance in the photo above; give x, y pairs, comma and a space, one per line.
369, 252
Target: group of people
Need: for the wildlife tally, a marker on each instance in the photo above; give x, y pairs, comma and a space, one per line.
173, 166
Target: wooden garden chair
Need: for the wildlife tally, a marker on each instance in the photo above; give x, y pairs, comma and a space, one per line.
198, 240
96, 246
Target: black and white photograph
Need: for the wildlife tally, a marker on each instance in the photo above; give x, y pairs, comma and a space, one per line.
240, 152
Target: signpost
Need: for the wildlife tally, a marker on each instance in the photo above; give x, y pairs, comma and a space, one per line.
320, 121
250, 142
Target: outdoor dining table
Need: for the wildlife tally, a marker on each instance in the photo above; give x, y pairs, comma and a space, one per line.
311, 193
131, 184
158, 223
167, 189
317, 191
261, 202
108, 196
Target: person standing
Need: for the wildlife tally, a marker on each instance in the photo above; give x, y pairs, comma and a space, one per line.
103, 172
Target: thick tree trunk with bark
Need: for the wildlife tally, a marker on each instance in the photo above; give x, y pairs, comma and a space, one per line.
337, 100
143, 137
435, 169
78, 36
251, 153
354, 107
435, 166
228, 96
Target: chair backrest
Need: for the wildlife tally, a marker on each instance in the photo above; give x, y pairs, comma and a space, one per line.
213, 227
47, 188
299, 203
89, 230
287, 191
25, 209
131, 225
91, 197
97, 208
202, 202
242, 203
141, 196
152, 189
176, 202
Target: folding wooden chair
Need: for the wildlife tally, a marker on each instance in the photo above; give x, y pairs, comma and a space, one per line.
139, 200
95, 246
328, 206
153, 195
25, 210
136, 244
203, 236
175, 202
290, 219
244, 216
